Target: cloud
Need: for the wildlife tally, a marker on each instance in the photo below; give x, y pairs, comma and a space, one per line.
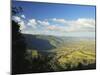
25, 25
56, 28
20, 22
23, 16
80, 24
59, 20
16, 18
85, 22
32, 23
22, 25
55, 25
45, 23
63, 25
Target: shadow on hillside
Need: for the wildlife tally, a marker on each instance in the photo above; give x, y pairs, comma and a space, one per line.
34, 43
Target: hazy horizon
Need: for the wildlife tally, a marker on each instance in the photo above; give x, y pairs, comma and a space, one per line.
56, 19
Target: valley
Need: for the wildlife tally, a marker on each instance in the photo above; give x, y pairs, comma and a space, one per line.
53, 53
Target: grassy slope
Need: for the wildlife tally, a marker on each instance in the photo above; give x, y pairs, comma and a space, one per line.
68, 56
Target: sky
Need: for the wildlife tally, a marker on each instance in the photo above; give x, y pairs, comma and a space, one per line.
56, 19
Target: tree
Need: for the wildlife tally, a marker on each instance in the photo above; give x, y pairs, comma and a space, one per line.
19, 64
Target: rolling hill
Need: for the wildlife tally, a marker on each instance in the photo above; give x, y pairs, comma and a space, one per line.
64, 53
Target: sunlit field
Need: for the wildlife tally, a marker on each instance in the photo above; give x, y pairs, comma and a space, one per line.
72, 54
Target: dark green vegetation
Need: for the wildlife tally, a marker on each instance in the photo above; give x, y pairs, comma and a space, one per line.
47, 53
19, 63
